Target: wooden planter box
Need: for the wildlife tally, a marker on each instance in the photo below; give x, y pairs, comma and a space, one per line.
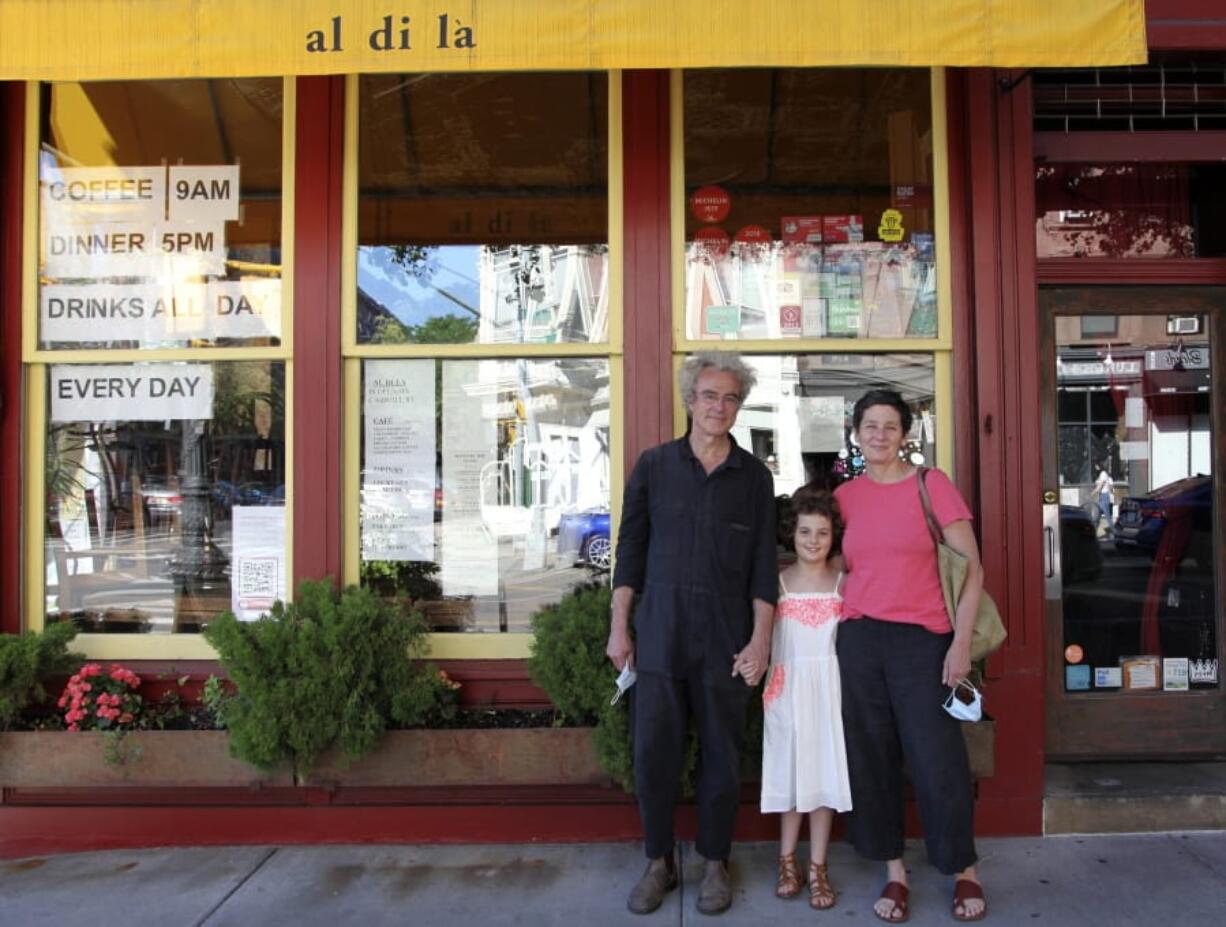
79, 759
201, 759
508, 756
535, 756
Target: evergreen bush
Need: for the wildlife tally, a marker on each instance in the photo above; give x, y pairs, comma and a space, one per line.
568, 661
329, 669
25, 661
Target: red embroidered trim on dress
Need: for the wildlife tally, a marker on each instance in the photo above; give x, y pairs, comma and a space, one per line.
774, 688
812, 612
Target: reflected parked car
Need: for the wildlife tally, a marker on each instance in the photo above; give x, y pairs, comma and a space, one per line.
1081, 560
1143, 519
584, 538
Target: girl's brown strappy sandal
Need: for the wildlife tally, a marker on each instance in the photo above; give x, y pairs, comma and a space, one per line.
790, 882
821, 892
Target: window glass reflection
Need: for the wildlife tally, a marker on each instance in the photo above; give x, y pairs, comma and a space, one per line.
1136, 493
797, 420
1140, 210
483, 214
160, 214
165, 494
809, 204
485, 485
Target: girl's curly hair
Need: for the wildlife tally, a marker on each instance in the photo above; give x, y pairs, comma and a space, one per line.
810, 501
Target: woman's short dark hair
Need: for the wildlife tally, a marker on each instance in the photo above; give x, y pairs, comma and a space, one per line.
811, 501
882, 397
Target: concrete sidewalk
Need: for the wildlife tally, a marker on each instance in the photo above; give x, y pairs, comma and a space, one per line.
1172, 880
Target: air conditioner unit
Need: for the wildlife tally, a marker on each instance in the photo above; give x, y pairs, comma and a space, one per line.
1183, 325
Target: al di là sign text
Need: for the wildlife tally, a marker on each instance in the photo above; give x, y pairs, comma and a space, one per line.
394, 33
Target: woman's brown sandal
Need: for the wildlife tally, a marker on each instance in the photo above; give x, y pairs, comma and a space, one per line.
821, 892
790, 882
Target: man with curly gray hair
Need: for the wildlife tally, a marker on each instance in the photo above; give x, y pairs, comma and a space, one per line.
697, 544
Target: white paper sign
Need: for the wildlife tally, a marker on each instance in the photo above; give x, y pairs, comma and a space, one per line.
470, 443
1175, 674
103, 194
399, 447
1134, 412
131, 392
821, 424
1108, 677
1134, 450
72, 249
257, 577
203, 194
151, 313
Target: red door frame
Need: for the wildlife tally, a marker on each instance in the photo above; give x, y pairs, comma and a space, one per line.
997, 426
12, 130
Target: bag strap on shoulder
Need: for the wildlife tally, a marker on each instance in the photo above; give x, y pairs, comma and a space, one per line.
934, 526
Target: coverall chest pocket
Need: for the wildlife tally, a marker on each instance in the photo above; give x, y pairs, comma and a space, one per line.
733, 545
672, 528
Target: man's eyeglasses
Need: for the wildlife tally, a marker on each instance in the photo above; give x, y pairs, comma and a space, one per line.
709, 398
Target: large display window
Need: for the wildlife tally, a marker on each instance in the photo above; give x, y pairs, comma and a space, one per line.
809, 205
483, 209
481, 340
165, 487
158, 366
485, 484
160, 214
810, 233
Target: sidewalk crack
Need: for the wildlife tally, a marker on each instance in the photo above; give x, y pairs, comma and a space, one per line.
241, 882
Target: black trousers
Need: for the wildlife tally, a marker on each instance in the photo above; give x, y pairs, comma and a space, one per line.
661, 711
892, 695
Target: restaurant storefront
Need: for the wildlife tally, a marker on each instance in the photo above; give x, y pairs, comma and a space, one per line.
398, 297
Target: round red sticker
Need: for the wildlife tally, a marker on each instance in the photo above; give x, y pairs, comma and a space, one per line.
713, 240
754, 235
710, 204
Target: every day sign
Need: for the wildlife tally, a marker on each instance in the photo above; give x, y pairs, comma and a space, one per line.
137, 392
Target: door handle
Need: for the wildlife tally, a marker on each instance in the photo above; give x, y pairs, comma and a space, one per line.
1053, 581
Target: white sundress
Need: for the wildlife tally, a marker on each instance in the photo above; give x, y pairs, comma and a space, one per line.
804, 760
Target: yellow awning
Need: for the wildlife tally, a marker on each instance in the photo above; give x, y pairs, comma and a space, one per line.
116, 39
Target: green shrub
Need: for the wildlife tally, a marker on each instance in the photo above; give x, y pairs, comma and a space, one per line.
25, 661
327, 669
568, 661
568, 653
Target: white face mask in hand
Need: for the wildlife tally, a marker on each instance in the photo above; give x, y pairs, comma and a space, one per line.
625, 680
964, 705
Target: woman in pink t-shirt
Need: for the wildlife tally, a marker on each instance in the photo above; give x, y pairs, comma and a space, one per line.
897, 658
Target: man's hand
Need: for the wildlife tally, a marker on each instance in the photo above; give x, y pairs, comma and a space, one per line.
750, 664
620, 649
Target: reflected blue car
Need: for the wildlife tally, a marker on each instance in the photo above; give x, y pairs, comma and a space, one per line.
584, 538
1143, 519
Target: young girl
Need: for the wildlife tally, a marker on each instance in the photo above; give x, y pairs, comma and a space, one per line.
804, 763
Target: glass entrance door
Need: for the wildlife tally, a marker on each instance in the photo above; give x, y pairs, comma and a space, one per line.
1131, 526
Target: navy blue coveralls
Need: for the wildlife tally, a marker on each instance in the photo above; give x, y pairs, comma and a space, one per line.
698, 549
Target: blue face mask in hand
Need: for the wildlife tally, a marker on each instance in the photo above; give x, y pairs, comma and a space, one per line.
964, 702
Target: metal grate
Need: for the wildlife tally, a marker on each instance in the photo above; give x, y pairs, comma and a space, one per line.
1172, 94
